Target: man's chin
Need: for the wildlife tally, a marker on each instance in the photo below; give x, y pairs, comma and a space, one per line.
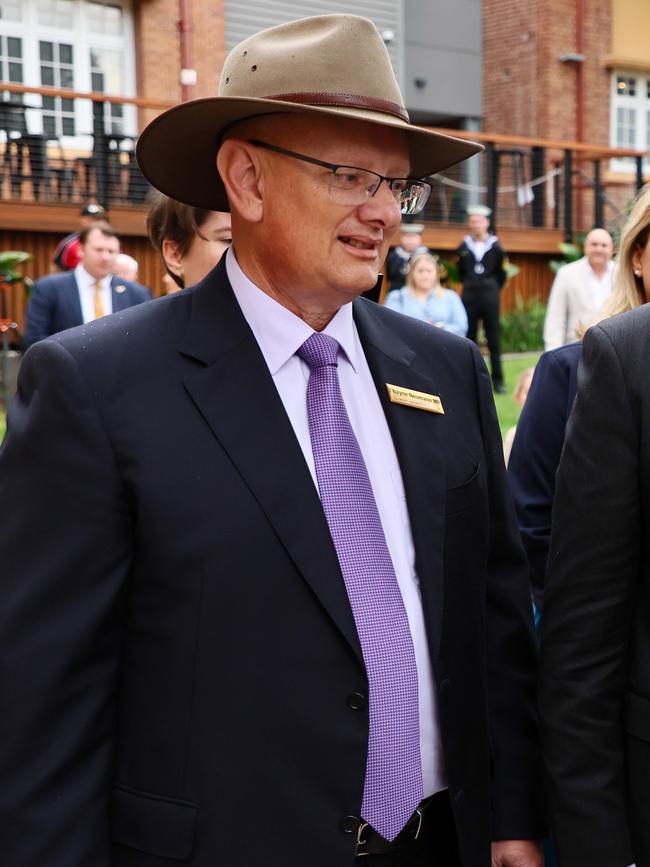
362, 280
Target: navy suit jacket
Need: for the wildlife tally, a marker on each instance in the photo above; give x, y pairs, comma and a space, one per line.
54, 304
177, 648
536, 452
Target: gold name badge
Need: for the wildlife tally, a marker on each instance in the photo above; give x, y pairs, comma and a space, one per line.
416, 399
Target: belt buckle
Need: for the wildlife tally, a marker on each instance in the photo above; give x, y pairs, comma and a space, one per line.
360, 841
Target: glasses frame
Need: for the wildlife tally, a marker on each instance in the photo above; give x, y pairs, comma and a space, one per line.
334, 167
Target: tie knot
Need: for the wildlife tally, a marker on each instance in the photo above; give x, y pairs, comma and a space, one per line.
319, 350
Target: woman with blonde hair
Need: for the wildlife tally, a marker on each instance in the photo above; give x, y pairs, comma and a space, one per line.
538, 443
424, 298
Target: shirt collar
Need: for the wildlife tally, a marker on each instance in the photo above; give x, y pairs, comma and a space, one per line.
278, 331
85, 279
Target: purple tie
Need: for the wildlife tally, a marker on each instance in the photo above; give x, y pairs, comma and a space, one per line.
393, 784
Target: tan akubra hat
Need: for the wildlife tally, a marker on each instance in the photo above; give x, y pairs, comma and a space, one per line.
334, 65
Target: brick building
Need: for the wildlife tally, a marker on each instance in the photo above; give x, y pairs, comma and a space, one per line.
572, 70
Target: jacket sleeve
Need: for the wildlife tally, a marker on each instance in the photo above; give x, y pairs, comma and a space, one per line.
511, 651
534, 460
555, 323
39, 314
458, 321
64, 549
593, 570
501, 271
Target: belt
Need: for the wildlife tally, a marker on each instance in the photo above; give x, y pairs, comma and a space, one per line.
369, 842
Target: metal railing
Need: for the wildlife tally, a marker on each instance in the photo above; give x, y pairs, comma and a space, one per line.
540, 183
62, 146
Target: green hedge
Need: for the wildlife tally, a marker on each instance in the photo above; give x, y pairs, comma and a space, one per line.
522, 327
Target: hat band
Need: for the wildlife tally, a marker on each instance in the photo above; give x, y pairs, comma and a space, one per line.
345, 100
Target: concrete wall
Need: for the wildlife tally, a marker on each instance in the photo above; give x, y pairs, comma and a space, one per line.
443, 53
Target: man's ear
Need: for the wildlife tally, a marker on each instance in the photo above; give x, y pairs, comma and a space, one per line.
172, 256
241, 173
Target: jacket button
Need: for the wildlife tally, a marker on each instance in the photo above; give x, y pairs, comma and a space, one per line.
357, 701
350, 824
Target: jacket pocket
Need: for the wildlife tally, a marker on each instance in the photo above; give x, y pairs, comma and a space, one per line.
153, 823
636, 715
460, 497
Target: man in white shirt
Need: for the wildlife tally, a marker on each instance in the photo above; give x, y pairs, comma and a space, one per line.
579, 291
279, 614
89, 292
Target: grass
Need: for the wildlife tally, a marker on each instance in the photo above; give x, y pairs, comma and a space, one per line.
507, 409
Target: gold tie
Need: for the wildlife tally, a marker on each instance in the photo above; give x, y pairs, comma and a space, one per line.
99, 307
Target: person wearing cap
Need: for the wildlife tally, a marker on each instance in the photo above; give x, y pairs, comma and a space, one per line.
399, 257
90, 292
277, 611
482, 273
68, 251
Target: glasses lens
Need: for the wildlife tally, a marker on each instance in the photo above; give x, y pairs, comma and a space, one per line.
350, 186
414, 197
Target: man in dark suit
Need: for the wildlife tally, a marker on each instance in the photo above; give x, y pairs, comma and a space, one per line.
482, 273
89, 292
595, 681
264, 602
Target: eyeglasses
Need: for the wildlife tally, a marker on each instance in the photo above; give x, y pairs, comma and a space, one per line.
349, 185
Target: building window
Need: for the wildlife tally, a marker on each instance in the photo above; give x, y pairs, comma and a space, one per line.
630, 115
10, 10
57, 70
55, 13
80, 45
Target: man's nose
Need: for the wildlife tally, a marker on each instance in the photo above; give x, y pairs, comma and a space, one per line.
383, 206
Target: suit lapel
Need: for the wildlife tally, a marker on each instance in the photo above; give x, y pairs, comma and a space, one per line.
417, 438
120, 300
73, 314
236, 396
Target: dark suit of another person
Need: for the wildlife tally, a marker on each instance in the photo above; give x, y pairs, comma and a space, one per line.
54, 304
595, 681
215, 695
535, 455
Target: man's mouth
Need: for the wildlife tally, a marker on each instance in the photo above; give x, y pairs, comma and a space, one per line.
357, 242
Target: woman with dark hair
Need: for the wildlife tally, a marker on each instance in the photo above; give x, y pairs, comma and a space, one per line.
190, 240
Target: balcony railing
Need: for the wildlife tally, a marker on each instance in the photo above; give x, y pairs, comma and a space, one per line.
50, 154
541, 183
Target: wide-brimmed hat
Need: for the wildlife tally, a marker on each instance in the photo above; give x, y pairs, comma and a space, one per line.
332, 65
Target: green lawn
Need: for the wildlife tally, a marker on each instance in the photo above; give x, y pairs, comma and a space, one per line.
507, 409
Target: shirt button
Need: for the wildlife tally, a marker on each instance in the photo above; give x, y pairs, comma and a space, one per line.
357, 701
350, 824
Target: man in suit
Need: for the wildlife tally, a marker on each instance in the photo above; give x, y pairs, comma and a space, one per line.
89, 292
595, 680
264, 602
482, 272
579, 291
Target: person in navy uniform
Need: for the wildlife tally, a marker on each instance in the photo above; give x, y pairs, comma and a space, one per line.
398, 261
482, 273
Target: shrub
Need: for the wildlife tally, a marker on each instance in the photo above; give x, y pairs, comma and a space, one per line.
522, 327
